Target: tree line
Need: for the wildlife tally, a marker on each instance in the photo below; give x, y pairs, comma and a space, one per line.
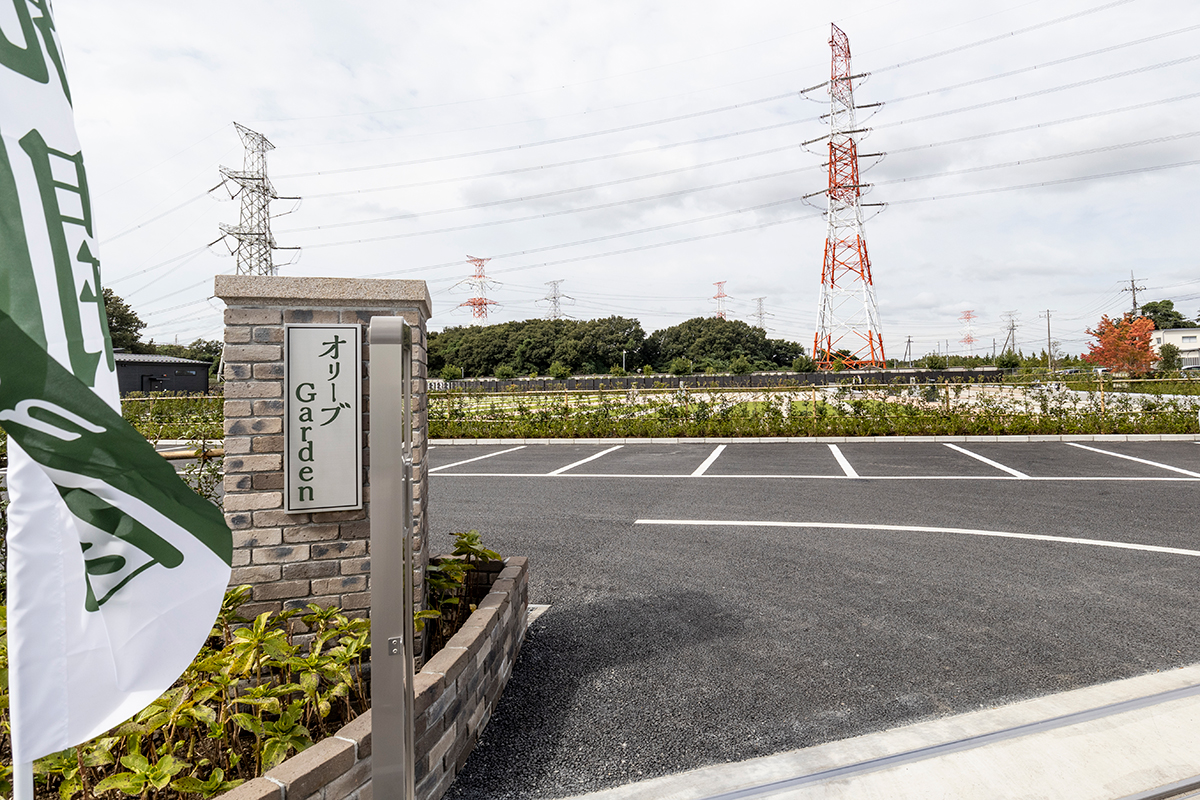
613, 345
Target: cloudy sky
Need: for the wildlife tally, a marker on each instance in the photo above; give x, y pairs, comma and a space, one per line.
1037, 153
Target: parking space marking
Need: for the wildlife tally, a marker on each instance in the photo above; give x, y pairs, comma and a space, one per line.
1149, 548
985, 460
841, 459
477, 458
561, 470
683, 475
1189, 473
708, 462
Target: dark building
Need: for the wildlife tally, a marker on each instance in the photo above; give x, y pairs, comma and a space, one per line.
147, 373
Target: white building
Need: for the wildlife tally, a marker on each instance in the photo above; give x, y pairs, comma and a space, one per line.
1186, 339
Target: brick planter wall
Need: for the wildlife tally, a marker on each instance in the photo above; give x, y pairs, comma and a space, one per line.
456, 693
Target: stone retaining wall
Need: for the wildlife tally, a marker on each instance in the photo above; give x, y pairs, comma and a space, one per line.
456, 693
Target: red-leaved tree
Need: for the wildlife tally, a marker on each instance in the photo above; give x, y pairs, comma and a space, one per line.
1122, 345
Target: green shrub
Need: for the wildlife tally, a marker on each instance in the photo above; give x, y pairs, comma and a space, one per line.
741, 366
450, 373
559, 370
251, 698
680, 366
804, 364
504, 372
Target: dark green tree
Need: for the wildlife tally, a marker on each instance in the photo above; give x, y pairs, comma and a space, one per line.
716, 342
1168, 358
1008, 360
201, 350
124, 325
1165, 317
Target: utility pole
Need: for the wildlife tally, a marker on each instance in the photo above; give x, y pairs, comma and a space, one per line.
1049, 346
908, 351
1133, 289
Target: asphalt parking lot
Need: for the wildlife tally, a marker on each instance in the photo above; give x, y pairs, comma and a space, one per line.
713, 603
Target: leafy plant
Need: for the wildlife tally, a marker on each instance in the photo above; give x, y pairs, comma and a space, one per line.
470, 544
253, 696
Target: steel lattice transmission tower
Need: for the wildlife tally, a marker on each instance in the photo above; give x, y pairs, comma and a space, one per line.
554, 298
720, 297
759, 314
479, 282
848, 315
968, 320
255, 245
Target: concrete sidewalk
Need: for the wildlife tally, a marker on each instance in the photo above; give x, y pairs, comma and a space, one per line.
1131, 739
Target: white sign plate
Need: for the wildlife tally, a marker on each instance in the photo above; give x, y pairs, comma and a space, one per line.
322, 410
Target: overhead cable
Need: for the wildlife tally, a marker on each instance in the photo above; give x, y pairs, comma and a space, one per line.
1037, 159
583, 241
1054, 63
1040, 184
558, 140
1040, 92
572, 162
1004, 36
559, 193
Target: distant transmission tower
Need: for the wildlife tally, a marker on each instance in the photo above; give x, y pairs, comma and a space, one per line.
255, 245
848, 315
968, 318
553, 298
720, 298
759, 315
480, 283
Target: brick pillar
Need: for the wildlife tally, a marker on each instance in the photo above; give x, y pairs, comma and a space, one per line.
291, 560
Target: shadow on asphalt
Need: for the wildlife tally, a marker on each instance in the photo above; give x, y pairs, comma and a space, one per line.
548, 738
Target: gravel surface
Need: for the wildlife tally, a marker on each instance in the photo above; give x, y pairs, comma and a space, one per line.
673, 647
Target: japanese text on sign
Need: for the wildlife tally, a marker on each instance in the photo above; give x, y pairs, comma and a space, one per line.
323, 418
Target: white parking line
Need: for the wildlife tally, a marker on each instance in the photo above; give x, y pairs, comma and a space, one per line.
841, 459
561, 470
708, 462
477, 458
1149, 548
987, 461
688, 475
1138, 460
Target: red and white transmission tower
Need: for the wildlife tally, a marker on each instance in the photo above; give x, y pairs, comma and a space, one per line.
848, 315
720, 298
479, 282
968, 318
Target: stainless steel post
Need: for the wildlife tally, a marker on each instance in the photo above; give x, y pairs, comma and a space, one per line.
392, 768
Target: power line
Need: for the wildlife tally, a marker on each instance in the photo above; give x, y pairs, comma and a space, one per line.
540, 167
1040, 184
1003, 36
1038, 159
1041, 92
583, 241
1045, 64
557, 193
558, 140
